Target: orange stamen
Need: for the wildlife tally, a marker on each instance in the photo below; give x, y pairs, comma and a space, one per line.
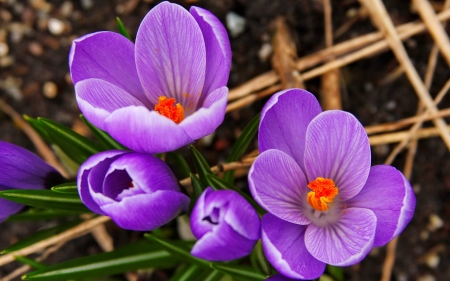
167, 107
323, 192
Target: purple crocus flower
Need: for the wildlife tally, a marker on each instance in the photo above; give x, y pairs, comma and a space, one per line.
226, 225
21, 169
161, 93
138, 191
326, 204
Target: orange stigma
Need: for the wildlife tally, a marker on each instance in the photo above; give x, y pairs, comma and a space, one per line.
167, 107
323, 192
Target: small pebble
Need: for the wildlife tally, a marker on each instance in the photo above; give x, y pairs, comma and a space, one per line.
4, 49
235, 24
432, 261
6, 61
55, 26
87, 4
435, 222
184, 228
66, 9
35, 49
424, 234
207, 140
68, 78
265, 51
50, 90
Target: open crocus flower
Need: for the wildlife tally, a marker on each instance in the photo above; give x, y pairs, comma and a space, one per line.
226, 225
161, 93
138, 191
21, 169
326, 204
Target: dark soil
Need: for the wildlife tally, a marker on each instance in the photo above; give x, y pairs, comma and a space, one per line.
37, 56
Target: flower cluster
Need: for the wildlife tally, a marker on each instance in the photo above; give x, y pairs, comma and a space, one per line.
325, 203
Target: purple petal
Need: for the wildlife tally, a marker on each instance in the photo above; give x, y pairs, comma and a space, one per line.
146, 212
8, 208
91, 175
171, 56
206, 119
145, 131
284, 120
98, 98
345, 242
107, 56
199, 226
277, 183
390, 196
284, 247
147, 172
223, 244
337, 147
218, 50
22, 169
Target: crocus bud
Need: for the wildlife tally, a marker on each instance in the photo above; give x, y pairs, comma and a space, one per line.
225, 224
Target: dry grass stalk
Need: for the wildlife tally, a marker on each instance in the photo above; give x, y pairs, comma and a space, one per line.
42, 148
102, 237
434, 27
330, 94
255, 84
381, 18
253, 97
285, 56
62, 237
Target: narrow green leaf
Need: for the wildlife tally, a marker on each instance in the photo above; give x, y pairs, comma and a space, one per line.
39, 236
45, 199
122, 29
201, 166
70, 187
196, 186
103, 137
189, 273
259, 260
214, 275
180, 163
335, 272
218, 183
37, 126
325, 277
41, 214
240, 272
30, 262
76, 146
131, 257
241, 145
176, 249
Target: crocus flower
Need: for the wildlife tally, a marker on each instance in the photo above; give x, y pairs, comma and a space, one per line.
21, 169
325, 203
161, 93
226, 225
138, 191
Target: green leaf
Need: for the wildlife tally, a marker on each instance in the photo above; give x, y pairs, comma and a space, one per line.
214, 275
41, 214
197, 188
240, 272
122, 29
176, 249
218, 183
37, 126
76, 146
131, 257
103, 137
70, 187
259, 260
45, 199
201, 166
180, 163
39, 236
241, 145
189, 273
30, 262
335, 272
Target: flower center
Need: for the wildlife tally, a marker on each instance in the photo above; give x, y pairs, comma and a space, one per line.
323, 192
167, 107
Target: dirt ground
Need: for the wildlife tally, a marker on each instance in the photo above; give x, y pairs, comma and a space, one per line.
35, 38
